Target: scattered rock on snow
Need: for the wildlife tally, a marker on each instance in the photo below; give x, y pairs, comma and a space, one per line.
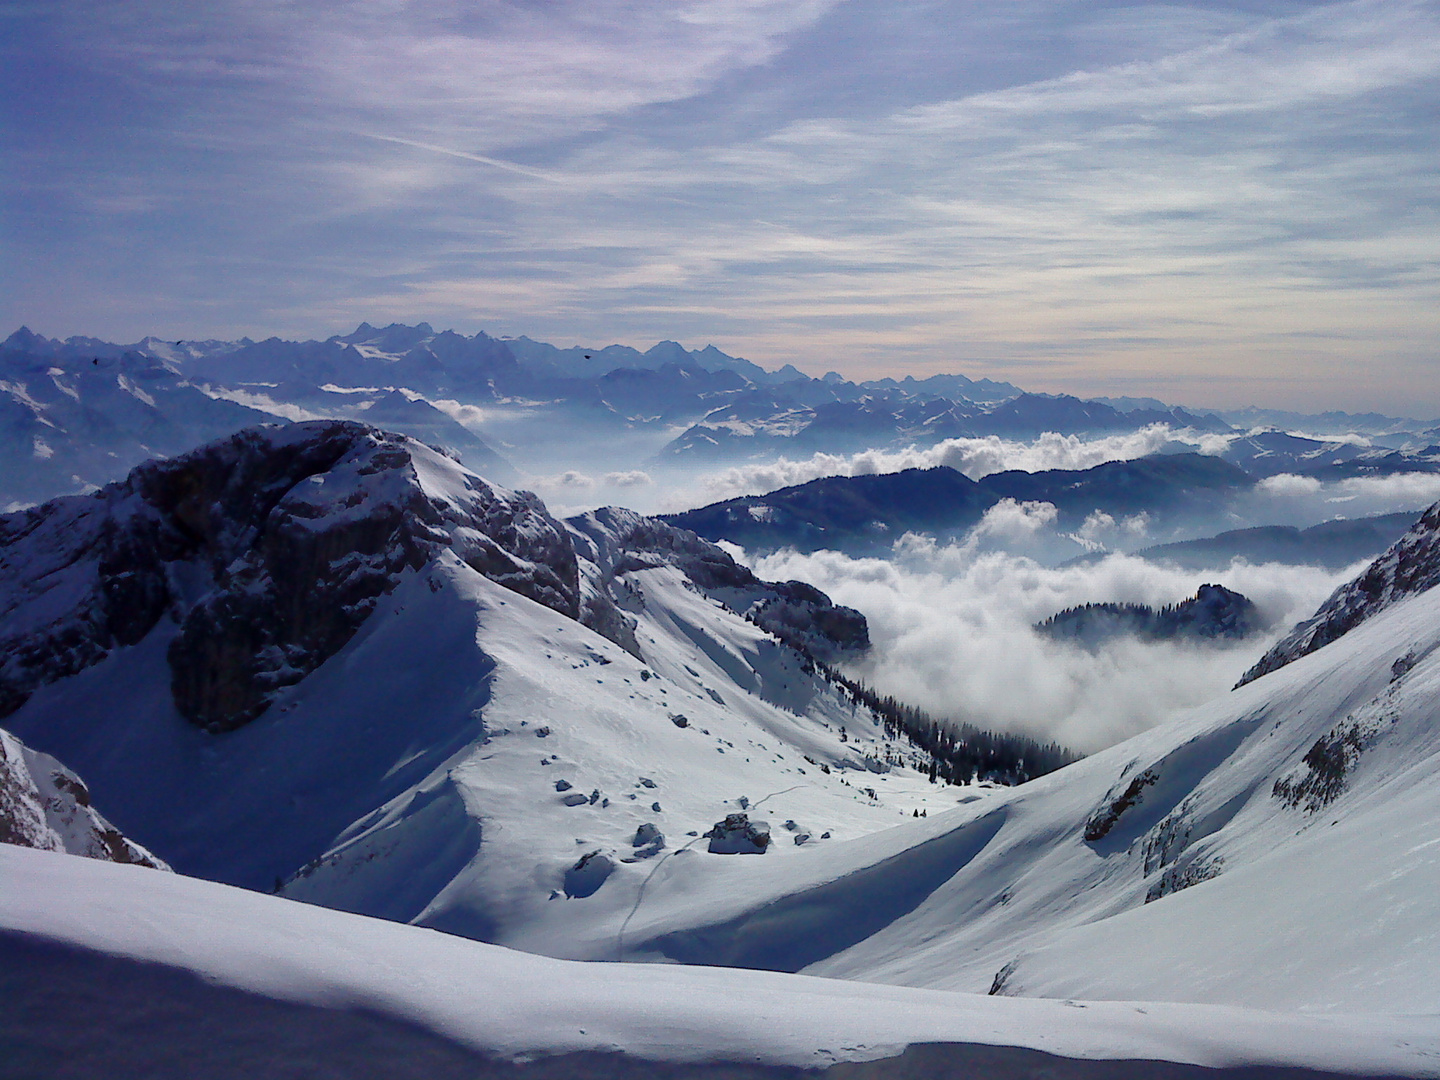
738, 835
586, 876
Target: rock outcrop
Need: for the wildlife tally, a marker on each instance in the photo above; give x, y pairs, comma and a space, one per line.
268, 549
1410, 566
616, 541
46, 806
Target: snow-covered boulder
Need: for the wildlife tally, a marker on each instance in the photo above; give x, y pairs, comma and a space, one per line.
738, 835
588, 874
44, 805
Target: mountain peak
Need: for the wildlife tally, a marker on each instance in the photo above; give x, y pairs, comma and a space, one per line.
23, 340
329, 511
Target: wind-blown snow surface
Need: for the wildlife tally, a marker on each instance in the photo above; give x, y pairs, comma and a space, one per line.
341, 976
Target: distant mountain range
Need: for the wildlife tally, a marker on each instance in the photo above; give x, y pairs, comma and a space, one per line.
866, 514
1332, 544
76, 414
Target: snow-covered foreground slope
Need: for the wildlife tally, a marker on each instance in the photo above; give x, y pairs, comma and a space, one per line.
1277, 847
333, 662
124, 972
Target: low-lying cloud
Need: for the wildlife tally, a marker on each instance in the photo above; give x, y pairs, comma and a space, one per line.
1301, 500
951, 626
975, 457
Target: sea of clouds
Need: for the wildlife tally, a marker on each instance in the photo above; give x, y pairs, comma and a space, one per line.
975, 457
952, 632
952, 623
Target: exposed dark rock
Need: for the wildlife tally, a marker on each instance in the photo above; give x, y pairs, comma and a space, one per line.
1184, 874
1410, 566
738, 835
1105, 818
804, 617
1325, 768
619, 542
269, 548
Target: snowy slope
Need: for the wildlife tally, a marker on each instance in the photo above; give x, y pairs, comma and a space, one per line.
122, 972
531, 732
374, 680
1278, 847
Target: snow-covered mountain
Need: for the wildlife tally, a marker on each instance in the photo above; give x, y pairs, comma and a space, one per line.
69, 424
1269, 453
333, 661
891, 414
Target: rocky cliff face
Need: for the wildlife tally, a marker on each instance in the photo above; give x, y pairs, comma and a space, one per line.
615, 542
1410, 566
268, 549
46, 806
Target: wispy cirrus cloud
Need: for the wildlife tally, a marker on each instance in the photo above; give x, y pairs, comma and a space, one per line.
1097, 197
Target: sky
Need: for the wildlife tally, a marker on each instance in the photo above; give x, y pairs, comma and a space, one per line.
1215, 203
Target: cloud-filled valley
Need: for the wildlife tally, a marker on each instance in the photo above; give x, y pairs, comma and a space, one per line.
952, 633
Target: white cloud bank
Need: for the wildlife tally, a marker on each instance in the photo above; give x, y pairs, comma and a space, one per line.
975, 458
951, 632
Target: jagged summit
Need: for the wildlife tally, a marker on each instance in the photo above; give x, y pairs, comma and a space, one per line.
268, 549
1410, 566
